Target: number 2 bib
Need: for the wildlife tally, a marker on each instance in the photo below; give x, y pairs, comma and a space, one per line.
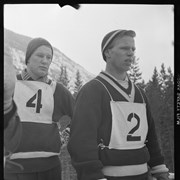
129, 125
129, 120
35, 101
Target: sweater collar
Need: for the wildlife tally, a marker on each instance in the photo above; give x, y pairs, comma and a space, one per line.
125, 80
26, 76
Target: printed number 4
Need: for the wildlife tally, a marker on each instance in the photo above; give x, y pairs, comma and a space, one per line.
38, 104
130, 137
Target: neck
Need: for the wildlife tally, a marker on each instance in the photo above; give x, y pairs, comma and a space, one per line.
118, 75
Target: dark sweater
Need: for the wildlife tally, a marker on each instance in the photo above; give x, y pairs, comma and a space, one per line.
43, 137
91, 123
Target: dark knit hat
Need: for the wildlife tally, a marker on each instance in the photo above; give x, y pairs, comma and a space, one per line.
34, 44
108, 38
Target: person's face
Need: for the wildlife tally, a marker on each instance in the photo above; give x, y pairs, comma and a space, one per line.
39, 62
121, 55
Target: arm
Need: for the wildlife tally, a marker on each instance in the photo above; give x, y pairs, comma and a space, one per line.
12, 129
83, 146
63, 100
9, 82
12, 126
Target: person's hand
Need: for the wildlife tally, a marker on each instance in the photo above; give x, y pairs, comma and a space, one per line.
161, 176
9, 81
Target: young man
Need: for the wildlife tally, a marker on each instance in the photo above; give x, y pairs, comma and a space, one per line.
112, 132
41, 102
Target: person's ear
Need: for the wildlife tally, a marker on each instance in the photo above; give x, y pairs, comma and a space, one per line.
107, 53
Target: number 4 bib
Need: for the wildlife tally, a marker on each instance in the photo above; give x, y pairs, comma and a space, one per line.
35, 101
129, 125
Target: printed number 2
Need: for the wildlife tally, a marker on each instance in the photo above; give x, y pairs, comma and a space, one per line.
130, 137
38, 104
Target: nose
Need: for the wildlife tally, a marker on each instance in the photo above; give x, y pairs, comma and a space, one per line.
45, 59
131, 52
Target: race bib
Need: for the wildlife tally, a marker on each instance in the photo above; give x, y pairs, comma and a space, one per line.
35, 101
129, 125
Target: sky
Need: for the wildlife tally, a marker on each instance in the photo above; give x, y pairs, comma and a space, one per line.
79, 33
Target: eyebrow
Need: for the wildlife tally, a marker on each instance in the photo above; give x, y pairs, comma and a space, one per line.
47, 53
127, 46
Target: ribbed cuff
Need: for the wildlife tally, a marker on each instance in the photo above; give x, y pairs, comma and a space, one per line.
159, 169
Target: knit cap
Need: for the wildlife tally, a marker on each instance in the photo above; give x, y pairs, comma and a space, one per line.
108, 38
34, 44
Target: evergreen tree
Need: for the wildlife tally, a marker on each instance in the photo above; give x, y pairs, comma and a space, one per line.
169, 93
63, 77
163, 77
167, 116
135, 74
159, 91
154, 95
154, 83
142, 84
78, 83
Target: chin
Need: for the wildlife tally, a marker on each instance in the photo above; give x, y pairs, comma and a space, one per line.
42, 74
128, 68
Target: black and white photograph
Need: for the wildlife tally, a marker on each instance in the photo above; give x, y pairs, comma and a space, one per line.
89, 92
